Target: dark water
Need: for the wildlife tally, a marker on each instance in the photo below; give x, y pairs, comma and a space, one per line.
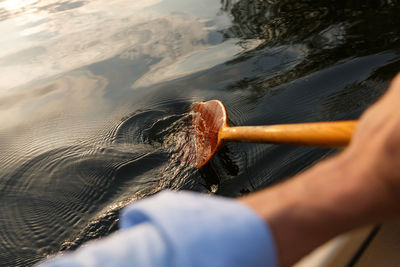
94, 96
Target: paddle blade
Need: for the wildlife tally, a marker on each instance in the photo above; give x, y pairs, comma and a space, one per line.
208, 118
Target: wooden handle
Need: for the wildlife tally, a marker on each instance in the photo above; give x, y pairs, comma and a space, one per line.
326, 134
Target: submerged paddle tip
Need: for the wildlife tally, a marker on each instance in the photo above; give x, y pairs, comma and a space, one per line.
208, 119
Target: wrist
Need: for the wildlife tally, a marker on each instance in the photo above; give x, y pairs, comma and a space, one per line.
374, 181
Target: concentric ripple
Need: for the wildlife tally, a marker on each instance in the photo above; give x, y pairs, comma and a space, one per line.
66, 196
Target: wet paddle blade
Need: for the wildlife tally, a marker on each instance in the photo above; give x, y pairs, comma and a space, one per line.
208, 118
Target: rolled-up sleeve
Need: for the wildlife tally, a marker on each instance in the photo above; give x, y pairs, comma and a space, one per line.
181, 229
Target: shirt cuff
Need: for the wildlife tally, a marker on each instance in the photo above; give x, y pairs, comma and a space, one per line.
205, 230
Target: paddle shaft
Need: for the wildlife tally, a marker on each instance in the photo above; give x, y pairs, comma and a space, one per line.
325, 134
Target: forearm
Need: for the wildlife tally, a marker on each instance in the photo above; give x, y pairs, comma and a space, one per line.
329, 199
180, 229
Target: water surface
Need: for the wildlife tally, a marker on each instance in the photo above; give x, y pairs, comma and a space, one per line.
94, 97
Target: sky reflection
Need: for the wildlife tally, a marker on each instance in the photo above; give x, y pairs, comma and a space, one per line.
46, 39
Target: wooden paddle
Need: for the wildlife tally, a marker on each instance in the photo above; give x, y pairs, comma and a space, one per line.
211, 131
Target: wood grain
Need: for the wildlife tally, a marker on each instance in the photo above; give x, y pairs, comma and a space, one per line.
211, 131
326, 134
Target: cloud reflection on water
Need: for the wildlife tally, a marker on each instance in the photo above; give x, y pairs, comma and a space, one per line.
80, 34
71, 46
52, 114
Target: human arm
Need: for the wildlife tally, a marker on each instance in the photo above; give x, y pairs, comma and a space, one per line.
361, 185
180, 229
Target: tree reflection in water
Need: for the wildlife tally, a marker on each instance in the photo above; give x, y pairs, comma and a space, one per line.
328, 32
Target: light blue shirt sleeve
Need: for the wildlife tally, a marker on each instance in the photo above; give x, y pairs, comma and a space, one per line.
181, 229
